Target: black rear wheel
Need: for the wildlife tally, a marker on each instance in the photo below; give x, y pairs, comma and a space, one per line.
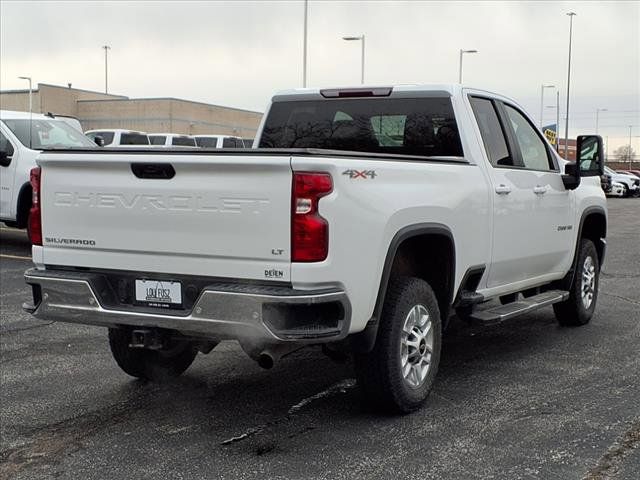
157, 365
397, 375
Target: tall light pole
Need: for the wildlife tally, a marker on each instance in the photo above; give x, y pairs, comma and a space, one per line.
566, 125
542, 87
598, 110
30, 108
558, 121
304, 46
106, 68
353, 38
630, 156
462, 52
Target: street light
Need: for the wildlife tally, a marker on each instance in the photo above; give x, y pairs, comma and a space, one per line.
598, 110
460, 65
354, 38
542, 87
630, 156
304, 46
30, 108
106, 48
566, 125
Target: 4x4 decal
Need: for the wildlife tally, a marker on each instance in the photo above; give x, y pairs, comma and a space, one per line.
361, 174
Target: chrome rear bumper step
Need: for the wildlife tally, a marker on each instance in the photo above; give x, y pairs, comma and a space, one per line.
222, 311
501, 313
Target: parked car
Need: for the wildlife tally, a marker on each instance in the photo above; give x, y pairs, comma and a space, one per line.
117, 137
18, 151
219, 141
616, 190
171, 140
605, 183
342, 229
631, 183
635, 173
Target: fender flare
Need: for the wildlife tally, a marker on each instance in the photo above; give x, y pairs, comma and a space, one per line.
594, 209
22, 222
364, 341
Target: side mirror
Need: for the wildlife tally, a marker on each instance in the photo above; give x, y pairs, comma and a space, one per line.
99, 140
571, 177
590, 155
5, 159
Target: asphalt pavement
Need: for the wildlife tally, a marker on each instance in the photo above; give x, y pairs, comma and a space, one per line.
523, 400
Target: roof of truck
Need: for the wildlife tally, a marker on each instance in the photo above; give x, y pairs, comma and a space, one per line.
13, 115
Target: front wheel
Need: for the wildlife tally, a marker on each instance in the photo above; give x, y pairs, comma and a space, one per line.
157, 365
583, 292
397, 375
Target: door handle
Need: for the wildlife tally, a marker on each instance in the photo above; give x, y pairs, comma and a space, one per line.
540, 190
503, 189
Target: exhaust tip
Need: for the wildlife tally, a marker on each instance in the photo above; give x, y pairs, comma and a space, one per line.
265, 361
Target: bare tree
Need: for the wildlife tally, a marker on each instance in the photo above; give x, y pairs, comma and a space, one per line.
624, 153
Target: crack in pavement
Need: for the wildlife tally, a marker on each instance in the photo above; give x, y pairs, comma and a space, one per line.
340, 387
48, 444
630, 300
608, 465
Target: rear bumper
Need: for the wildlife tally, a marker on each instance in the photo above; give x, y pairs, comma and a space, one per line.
221, 311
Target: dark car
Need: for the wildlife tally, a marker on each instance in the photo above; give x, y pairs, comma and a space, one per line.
605, 183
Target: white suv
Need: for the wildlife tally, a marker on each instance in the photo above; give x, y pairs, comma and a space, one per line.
171, 140
118, 137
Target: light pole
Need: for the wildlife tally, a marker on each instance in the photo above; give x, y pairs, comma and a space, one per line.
630, 156
566, 125
460, 64
542, 87
106, 84
304, 46
598, 110
30, 108
353, 38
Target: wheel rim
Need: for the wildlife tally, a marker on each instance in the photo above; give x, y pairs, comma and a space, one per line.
416, 346
588, 286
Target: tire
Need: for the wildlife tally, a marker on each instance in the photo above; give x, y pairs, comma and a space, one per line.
575, 311
380, 372
155, 365
625, 191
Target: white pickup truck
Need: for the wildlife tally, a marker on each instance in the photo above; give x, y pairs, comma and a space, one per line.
22, 137
365, 218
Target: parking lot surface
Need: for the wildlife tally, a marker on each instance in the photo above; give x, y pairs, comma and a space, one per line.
523, 400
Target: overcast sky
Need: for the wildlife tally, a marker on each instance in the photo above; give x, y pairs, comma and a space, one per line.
238, 53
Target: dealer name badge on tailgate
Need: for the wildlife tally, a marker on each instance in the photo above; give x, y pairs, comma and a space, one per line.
159, 293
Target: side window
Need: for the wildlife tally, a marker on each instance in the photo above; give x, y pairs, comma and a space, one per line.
535, 155
5, 145
491, 131
228, 143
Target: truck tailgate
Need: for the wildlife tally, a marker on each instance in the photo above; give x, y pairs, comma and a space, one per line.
219, 215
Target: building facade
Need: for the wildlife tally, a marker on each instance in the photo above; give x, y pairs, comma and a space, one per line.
97, 110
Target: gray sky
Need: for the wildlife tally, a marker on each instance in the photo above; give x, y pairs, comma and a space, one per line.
238, 53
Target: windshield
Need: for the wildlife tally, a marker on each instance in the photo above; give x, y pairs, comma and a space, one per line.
46, 134
409, 126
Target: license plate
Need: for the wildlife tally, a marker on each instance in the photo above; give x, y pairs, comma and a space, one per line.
159, 293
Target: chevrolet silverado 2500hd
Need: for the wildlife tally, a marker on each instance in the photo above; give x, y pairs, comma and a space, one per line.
364, 219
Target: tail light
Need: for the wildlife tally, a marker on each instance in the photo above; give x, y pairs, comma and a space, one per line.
309, 231
35, 214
